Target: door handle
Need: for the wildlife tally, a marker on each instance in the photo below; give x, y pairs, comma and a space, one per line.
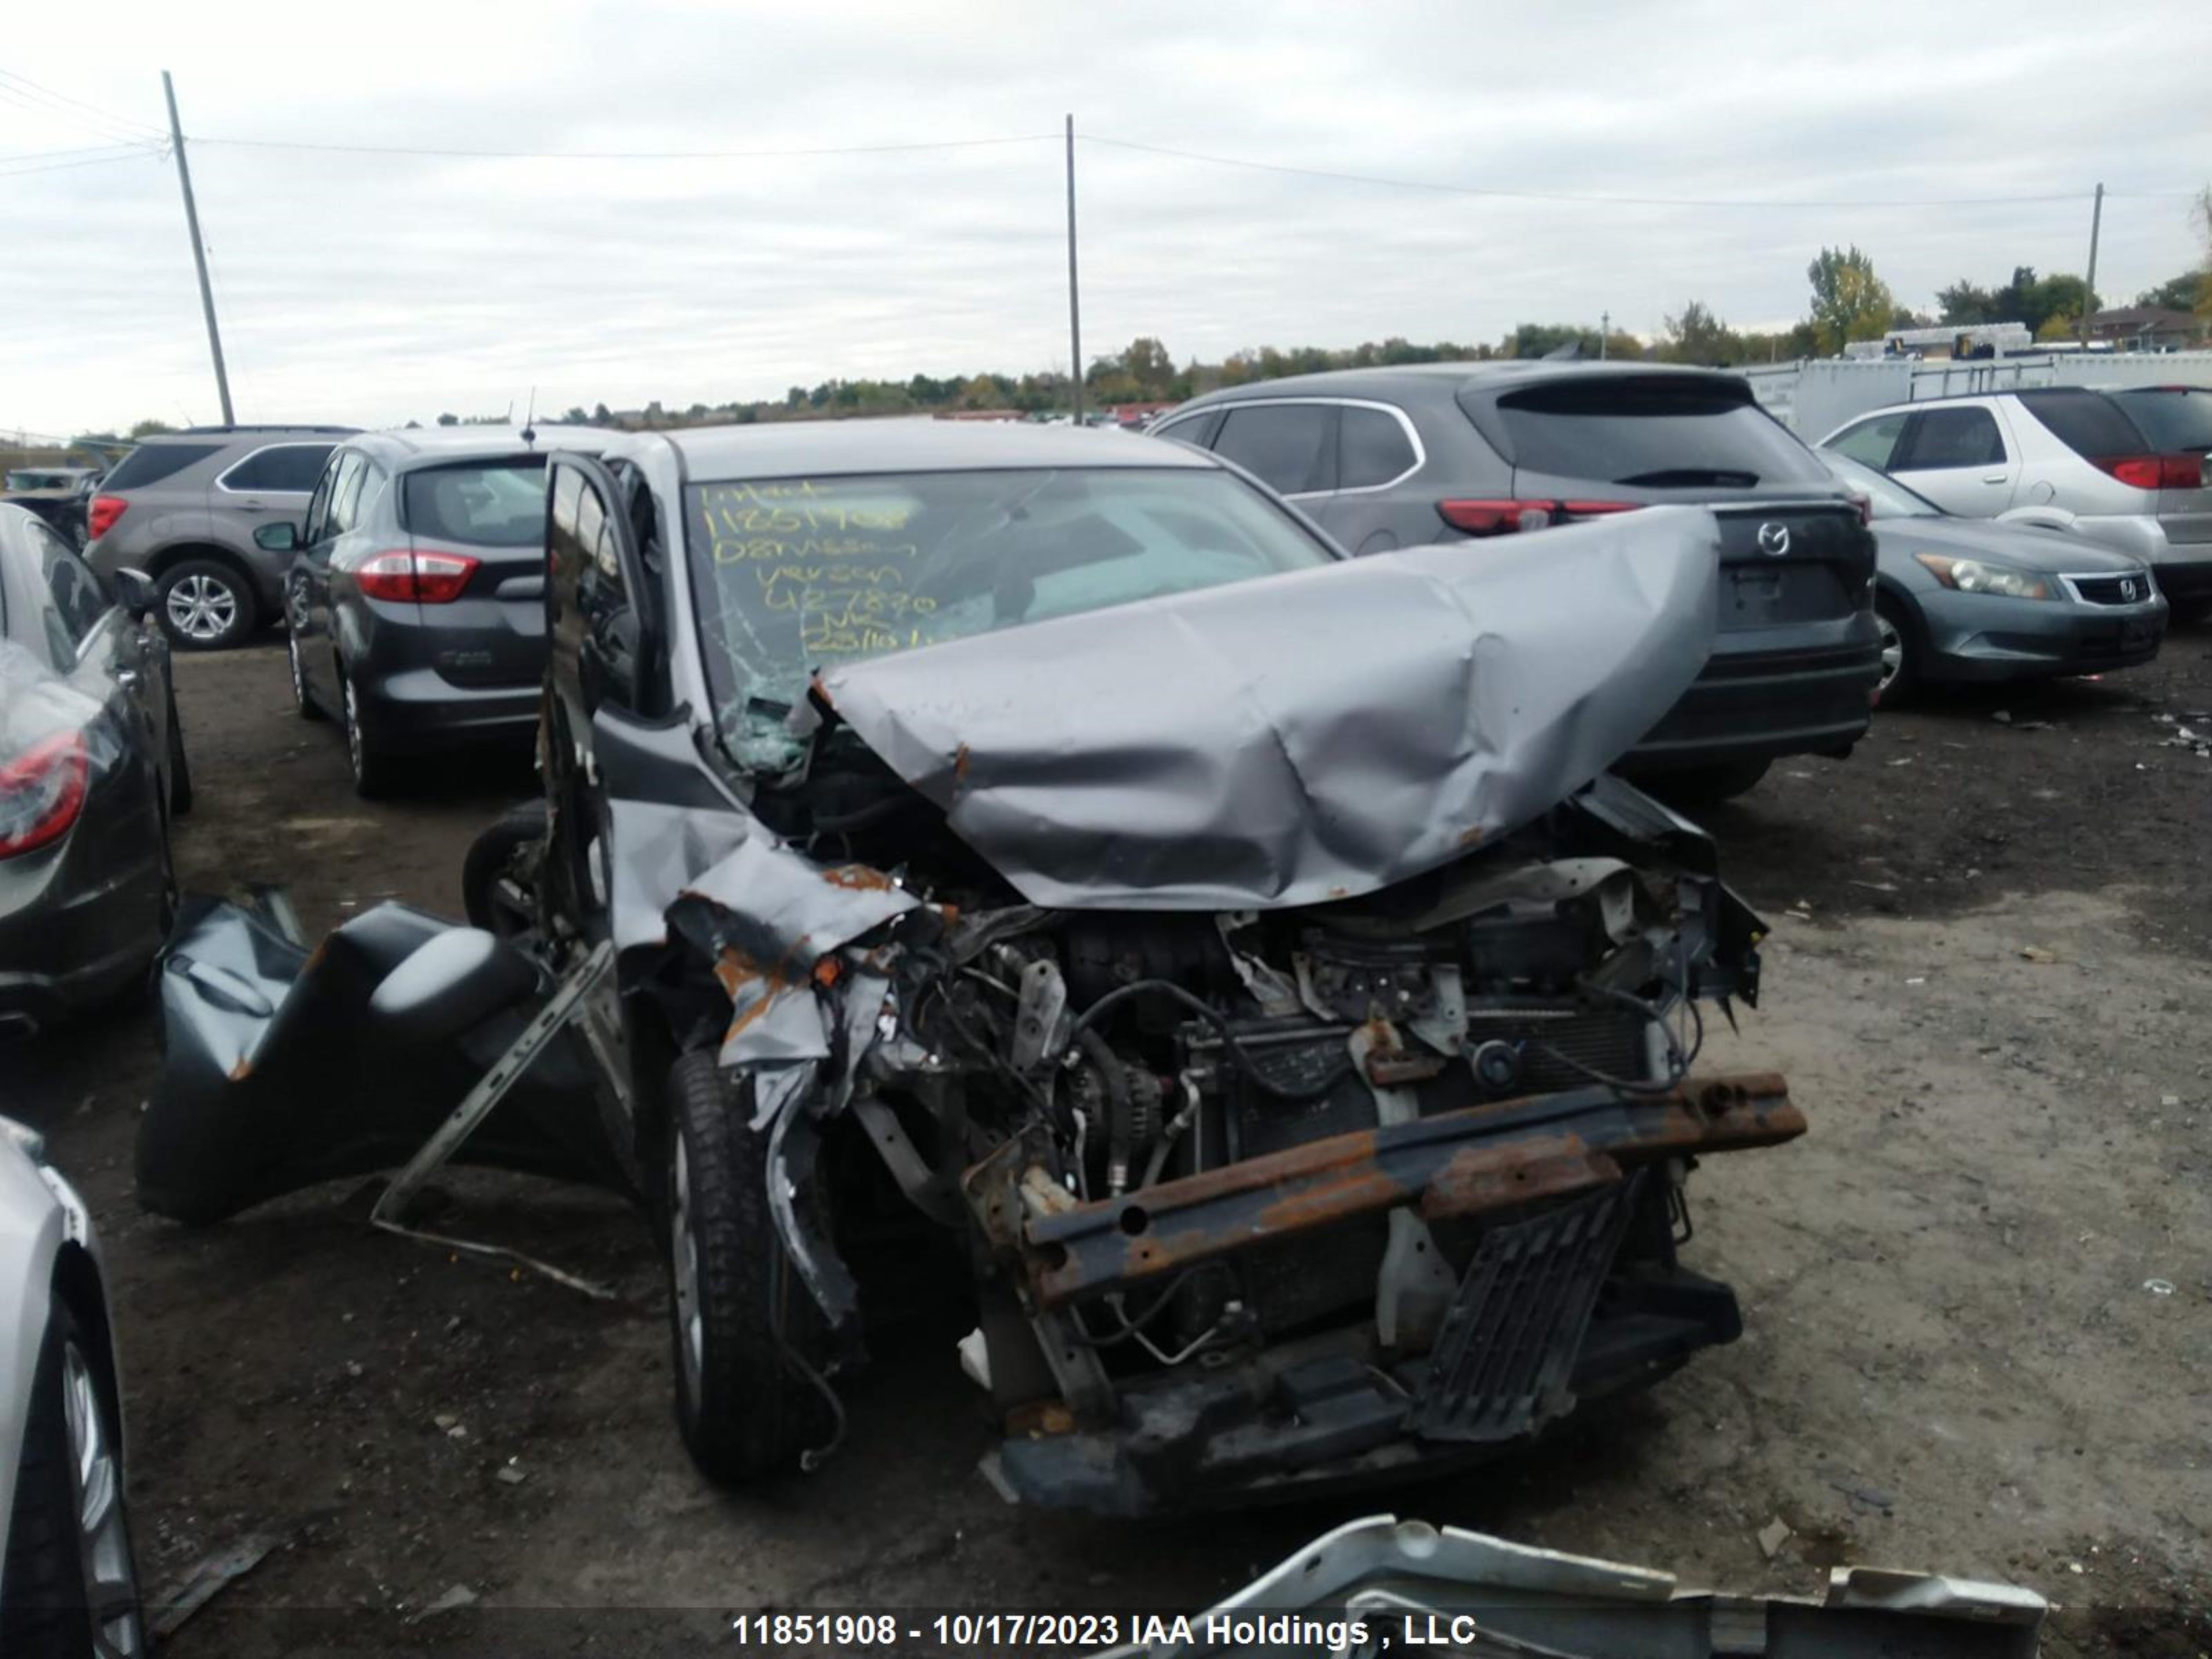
1996, 478
127, 678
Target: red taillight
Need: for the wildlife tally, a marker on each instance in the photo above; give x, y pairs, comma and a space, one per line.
1498, 518
99, 517
2156, 471
414, 578
41, 793
1865, 505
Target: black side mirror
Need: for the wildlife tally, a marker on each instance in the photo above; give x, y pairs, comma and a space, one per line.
277, 537
136, 593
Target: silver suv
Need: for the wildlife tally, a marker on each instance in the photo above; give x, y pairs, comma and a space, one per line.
2102, 465
183, 508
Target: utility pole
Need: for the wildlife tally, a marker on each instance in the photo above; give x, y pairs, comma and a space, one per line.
199, 253
1074, 306
1604, 329
2089, 288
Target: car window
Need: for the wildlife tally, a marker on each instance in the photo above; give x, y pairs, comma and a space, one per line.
1284, 444
291, 467
1939, 438
1658, 432
793, 574
485, 503
79, 603
151, 463
2087, 422
1372, 449
1192, 429
1872, 442
345, 494
316, 526
2176, 420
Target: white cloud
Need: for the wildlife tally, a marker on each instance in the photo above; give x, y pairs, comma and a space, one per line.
375, 287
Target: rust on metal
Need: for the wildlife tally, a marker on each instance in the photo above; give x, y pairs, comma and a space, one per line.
858, 878
738, 973
1466, 1187
1462, 1163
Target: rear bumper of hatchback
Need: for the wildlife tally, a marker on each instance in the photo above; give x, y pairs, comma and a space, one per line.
413, 668
1753, 705
418, 710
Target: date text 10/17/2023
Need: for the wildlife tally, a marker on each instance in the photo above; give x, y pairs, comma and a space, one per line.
1086, 1633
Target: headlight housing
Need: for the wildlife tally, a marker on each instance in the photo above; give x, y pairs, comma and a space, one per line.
1985, 576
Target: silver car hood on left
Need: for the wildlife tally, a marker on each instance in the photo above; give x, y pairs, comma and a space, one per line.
1302, 738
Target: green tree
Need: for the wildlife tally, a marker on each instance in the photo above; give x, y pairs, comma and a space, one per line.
2175, 293
449, 420
1694, 335
1148, 365
1850, 302
148, 429
602, 416
575, 416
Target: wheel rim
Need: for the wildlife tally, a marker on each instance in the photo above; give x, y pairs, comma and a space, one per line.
299, 676
1892, 652
352, 729
111, 1582
201, 608
684, 1252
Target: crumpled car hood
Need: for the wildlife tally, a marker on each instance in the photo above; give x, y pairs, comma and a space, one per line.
1303, 737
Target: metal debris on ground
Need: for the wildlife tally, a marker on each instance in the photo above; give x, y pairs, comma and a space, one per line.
2159, 1286
169, 1609
458, 1596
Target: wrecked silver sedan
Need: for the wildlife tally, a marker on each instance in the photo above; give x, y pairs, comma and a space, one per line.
1233, 951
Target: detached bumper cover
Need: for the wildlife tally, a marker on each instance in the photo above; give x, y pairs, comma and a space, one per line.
1412, 1585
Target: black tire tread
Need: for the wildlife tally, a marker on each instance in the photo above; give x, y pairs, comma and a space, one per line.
488, 856
756, 1416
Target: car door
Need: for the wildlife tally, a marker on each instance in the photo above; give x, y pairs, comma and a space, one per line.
307, 598
269, 485
1378, 452
1959, 457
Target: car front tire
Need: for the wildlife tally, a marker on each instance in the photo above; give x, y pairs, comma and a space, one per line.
1901, 646
742, 1406
205, 604
69, 1588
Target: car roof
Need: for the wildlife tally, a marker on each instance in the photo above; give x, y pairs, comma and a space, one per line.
1444, 378
200, 434
409, 446
782, 449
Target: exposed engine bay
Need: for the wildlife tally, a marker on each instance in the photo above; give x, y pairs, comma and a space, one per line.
1261, 1198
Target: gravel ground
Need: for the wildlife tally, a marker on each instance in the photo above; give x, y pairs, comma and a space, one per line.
1987, 985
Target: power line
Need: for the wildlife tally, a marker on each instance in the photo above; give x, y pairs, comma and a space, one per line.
81, 150
22, 90
1591, 201
625, 155
132, 154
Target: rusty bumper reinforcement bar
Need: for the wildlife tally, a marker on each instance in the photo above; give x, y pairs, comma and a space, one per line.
1453, 1163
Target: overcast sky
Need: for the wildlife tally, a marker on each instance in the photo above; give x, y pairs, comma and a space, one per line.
369, 288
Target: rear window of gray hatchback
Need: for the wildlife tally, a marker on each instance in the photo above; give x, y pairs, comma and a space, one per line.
1659, 433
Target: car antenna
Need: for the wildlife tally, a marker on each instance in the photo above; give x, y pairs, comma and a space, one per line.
529, 419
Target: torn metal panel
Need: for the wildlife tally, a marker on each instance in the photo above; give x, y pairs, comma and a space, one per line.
1303, 737
1467, 1592
1450, 1163
263, 1088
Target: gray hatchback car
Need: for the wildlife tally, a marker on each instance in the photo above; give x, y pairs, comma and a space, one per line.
1467, 452
183, 508
415, 592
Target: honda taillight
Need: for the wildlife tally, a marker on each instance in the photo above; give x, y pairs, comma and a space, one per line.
2156, 471
41, 793
99, 517
415, 578
1501, 517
